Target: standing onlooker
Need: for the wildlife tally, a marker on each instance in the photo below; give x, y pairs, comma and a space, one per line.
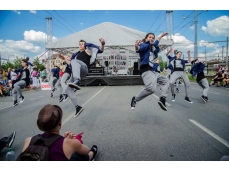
34, 75
13, 76
4, 78
8, 77
38, 77
43, 75
1, 76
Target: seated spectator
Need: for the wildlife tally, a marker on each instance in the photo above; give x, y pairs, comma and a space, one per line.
1, 76
67, 147
5, 90
226, 81
7, 141
218, 78
1, 89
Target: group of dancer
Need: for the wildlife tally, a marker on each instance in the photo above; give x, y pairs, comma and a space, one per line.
148, 50
68, 80
76, 68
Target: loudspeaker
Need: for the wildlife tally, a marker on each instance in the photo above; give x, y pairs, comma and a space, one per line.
106, 63
135, 72
135, 65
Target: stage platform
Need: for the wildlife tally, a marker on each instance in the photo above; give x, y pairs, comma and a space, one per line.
112, 80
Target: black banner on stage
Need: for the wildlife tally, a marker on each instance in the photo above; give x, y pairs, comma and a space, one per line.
96, 71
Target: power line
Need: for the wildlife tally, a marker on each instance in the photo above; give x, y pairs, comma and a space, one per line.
59, 21
154, 21
45, 20
199, 43
183, 20
160, 24
65, 20
187, 28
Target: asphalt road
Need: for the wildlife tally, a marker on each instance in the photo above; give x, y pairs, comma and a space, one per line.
186, 132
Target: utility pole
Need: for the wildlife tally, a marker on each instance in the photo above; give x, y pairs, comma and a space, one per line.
169, 27
48, 40
222, 52
205, 54
0, 61
196, 32
227, 52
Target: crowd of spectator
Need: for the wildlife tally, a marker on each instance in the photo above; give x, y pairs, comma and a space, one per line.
221, 77
11, 76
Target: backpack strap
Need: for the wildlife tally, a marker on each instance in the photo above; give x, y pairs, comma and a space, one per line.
39, 140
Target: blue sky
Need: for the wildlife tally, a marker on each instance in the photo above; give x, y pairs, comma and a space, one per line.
23, 31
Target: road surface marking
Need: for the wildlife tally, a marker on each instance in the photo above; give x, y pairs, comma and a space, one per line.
158, 99
71, 116
220, 139
202, 90
6, 107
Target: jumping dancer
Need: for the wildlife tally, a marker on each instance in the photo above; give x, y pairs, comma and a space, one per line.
79, 64
58, 85
22, 83
53, 79
169, 70
178, 68
197, 71
148, 50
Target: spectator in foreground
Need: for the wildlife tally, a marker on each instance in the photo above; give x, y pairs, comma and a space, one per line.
7, 141
67, 147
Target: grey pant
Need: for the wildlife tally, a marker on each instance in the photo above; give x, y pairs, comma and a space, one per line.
168, 76
52, 82
177, 74
64, 85
71, 94
79, 69
150, 80
58, 86
204, 84
17, 89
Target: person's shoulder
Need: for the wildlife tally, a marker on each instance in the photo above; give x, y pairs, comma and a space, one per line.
73, 144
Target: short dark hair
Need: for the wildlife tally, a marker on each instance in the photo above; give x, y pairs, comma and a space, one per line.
49, 117
25, 61
82, 41
192, 62
177, 52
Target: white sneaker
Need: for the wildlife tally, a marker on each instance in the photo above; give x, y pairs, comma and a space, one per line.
22, 99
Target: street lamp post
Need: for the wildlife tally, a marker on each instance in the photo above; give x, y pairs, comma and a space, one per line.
222, 52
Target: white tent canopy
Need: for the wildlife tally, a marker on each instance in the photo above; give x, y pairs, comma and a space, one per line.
114, 35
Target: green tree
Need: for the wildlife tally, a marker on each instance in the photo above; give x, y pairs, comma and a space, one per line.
162, 63
6, 65
17, 62
38, 64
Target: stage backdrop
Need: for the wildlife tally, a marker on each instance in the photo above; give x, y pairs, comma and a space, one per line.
115, 58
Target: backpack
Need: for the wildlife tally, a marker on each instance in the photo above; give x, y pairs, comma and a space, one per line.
38, 149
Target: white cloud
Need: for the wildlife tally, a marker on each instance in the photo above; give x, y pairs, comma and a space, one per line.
182, 44
1, 40
217, 27
81, 23
18, 12
192, 27
36, 36
17, 48
203, 43
33, 11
